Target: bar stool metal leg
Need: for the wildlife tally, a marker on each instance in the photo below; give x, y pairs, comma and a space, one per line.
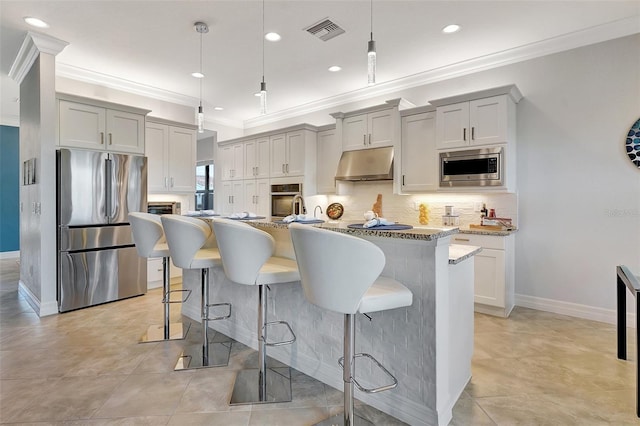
263, 385
207, 353
167, 331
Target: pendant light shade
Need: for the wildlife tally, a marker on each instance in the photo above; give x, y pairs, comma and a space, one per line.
200, 28
371, 55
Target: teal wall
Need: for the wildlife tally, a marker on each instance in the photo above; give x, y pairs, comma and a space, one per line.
9, 189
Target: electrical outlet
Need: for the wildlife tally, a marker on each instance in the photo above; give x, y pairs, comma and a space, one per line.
477, 206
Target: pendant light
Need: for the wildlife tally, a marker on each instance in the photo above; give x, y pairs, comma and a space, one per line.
263, 85
371, 55
200, 28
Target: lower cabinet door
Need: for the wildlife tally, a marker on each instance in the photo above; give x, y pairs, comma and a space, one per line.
490, 277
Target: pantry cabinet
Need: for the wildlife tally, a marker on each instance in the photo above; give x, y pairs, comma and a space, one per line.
231, 198
171, 156
257, 154
419, 157
494, 274
257, 196
328, 155
232, 161
91, 124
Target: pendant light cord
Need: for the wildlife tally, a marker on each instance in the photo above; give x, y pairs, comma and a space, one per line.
371, 10
263, 41
201, 68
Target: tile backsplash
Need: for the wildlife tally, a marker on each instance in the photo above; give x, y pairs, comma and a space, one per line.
405, 208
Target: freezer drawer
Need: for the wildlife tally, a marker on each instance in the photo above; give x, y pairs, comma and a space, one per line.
93, 277
94, 237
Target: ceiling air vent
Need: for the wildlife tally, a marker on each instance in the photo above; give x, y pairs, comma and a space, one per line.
325, 29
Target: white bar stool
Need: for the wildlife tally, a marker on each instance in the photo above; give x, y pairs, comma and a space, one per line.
185, 237
150, 242
341, 273
247, 258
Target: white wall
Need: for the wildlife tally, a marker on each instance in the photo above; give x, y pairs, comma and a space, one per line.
579, 195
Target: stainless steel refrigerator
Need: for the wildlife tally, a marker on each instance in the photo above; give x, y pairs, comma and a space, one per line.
97, 260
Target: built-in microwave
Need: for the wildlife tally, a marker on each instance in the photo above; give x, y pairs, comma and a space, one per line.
472, 167
163, 207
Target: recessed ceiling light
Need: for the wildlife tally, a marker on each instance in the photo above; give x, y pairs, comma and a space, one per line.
451, 29
35, 22
197, 74
272, 36
218, 108
334, 68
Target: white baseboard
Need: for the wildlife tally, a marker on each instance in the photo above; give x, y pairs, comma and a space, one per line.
10, 255
572, 309
41, 309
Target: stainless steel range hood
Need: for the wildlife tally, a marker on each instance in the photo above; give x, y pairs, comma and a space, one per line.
366, 164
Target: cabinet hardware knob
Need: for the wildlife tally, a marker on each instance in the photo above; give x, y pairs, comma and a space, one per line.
461, 239
110, 139
287, 167
464, 134
172, 181
166, 182
283, 168
473, 133
364, 140
369, 138
101, 138
402, 180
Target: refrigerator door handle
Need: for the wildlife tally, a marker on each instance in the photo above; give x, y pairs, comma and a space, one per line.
108, 171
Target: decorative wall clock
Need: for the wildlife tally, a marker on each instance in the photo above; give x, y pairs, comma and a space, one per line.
632, 144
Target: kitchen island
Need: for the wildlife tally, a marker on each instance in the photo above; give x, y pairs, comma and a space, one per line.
427, 346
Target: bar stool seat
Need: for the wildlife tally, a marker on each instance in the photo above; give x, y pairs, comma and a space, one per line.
149, 238
186, 237
341, 273
247, 258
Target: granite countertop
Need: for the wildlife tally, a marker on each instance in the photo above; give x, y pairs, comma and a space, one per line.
416, 233
459, 252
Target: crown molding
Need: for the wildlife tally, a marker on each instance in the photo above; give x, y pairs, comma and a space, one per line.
616, 29
32, 46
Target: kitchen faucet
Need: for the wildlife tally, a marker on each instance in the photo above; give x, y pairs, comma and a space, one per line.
297, 199
315, 209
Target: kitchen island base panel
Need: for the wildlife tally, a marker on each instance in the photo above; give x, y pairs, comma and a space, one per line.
415, 342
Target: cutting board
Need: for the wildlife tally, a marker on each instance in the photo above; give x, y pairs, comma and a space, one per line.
489, 227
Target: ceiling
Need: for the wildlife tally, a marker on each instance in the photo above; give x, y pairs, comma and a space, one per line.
152, 45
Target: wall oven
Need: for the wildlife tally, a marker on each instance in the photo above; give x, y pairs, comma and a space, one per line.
472, 167
163, 207
282, 199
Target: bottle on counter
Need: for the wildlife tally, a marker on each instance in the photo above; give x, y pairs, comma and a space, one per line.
484, 212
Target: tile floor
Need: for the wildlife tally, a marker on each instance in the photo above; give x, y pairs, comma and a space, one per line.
86, 368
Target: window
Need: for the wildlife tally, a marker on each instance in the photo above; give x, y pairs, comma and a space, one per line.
204, 187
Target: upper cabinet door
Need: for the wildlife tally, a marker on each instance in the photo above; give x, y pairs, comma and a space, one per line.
82, 126
329, 151
278, 155
250, 159
182, 159
263, 154
354, 132
238, 161
156, 150
125, 132
488, 120
380, 126
295, 154
419, 155
452, 126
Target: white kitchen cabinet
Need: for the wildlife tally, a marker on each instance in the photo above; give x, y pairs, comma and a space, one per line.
154, 272
257, 154
171, 157
328, 155
232, 197
257, 194
370, 130
494, 272
233, 161
288, 154
419, 158
95, 126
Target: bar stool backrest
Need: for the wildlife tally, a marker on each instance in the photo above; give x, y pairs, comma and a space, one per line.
336, 269
147, 232
243, 249
185, 236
